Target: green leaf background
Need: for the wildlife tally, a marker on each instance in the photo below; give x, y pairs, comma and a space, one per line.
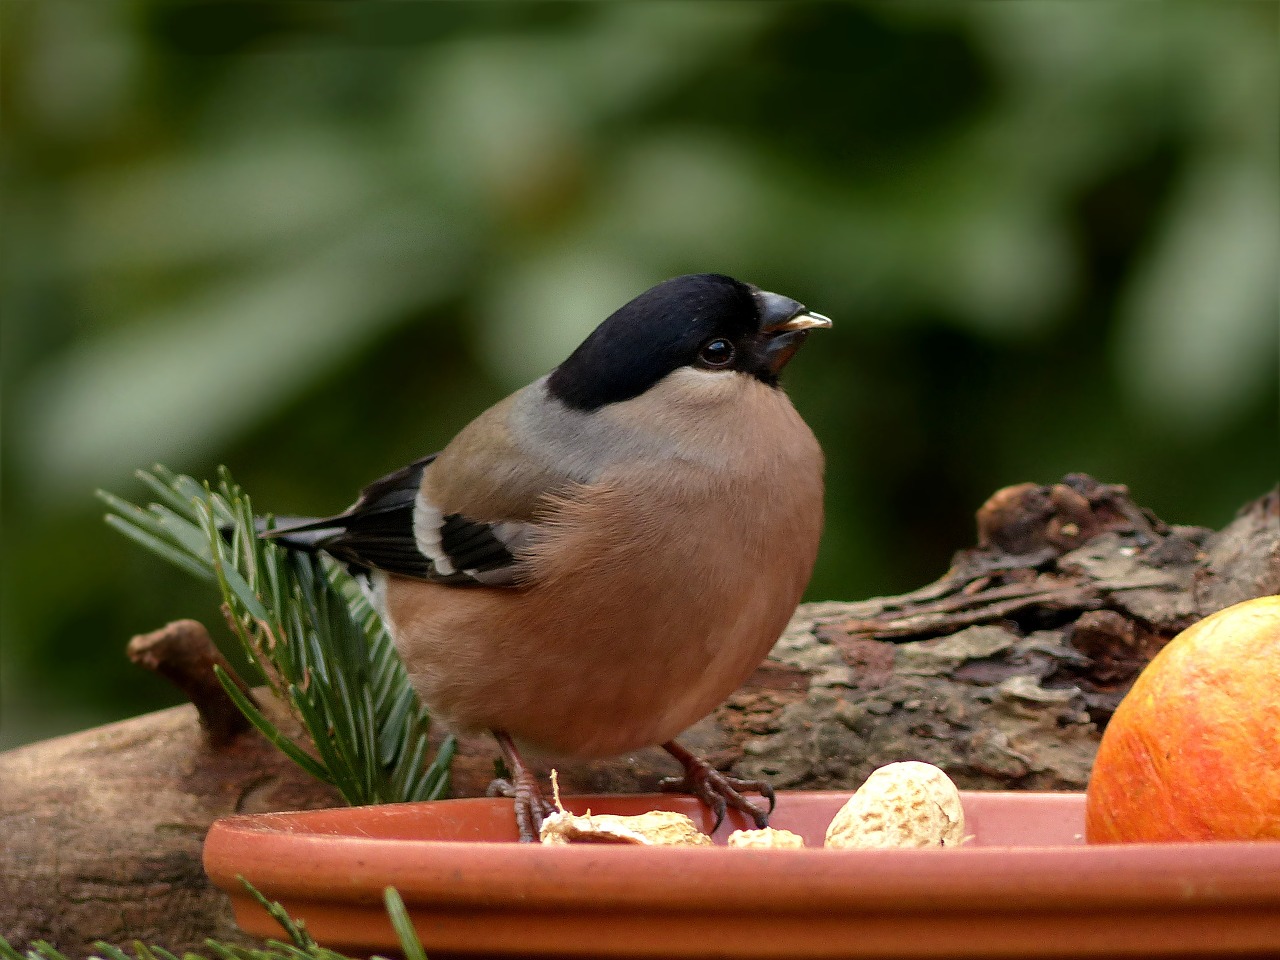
312, 240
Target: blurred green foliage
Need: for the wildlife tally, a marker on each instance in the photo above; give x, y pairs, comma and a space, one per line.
312, 240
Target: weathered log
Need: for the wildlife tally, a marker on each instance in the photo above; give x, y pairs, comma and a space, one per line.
1003, 672
101, 831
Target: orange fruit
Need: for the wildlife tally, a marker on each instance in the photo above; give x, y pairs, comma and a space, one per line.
1193, 751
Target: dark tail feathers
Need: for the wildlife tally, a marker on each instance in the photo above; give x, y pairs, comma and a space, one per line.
308, 534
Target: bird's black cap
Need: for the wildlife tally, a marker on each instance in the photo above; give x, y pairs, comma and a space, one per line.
704, 320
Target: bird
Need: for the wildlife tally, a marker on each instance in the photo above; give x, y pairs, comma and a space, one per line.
597, 561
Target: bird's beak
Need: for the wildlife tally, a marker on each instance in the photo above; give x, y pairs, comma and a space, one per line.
801, 321
786, 323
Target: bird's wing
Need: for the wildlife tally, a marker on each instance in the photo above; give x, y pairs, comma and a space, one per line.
462, 516
396, 528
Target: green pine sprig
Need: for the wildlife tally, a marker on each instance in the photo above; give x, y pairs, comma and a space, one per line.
302, 947
307, 631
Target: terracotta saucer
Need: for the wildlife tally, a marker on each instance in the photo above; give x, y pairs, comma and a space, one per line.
1025, 885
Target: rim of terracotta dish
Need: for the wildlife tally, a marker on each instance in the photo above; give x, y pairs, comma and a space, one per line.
269, 849
473, 897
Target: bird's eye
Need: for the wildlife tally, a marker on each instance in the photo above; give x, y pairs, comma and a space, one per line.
717, 353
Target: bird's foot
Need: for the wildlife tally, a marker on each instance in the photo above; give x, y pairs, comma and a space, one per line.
717, 790
531, 807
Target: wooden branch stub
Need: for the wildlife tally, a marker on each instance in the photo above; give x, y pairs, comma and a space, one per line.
1027, 518
184, 654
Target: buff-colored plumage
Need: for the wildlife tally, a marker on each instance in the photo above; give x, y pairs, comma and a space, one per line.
668, 550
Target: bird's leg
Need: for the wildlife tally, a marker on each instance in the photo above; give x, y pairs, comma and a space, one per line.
717, 790
531, 808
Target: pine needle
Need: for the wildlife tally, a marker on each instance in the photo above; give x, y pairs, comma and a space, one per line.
307, 629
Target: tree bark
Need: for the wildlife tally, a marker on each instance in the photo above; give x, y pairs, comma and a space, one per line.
1003, 672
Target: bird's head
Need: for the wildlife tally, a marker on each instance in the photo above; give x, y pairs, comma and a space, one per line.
704, 321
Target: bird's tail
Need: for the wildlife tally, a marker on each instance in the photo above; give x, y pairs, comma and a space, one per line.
308, 534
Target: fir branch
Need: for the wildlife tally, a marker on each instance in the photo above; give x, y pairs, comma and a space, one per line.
307, 631
302, 947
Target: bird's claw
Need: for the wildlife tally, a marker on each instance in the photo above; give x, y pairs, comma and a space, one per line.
719, 791
500, 787
531, 808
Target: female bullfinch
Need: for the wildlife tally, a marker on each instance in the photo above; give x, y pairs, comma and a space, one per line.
596, 562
